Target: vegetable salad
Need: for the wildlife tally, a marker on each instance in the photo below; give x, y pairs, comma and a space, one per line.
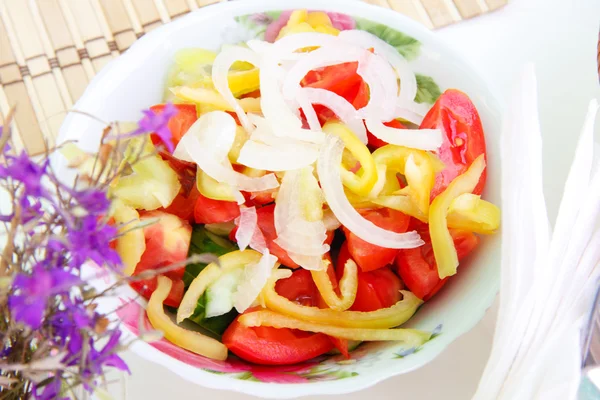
336, 203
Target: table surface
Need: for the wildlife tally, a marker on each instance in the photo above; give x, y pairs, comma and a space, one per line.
560, 37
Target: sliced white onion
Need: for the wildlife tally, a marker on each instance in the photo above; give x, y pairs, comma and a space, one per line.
383, 87
254, 279
286, 48
283, 121
309, 111
264, 133
258, 242
340, 107
226, 174
260, 47
208, 142
214, 130
220, 72
409, 115
423, 139
303, 240
247, 225
328, 167
408, 81
277, 158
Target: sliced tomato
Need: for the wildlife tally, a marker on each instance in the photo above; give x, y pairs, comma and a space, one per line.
376, 289
299, 288
167, 243
418, 269
341, 79
272, 346
209, 211
463, 138
178, 124
147, 286
362, 96
341, 345
368, 256
375, 143
260, 199
184, 204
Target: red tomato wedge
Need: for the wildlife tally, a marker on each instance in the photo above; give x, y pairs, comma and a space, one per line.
368, 256
418, 269
167, 242
376, 289
209, 211
463, 138
341, 79
178, 124
272, 346
299, 288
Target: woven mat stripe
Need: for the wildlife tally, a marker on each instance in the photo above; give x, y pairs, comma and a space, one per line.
51, 49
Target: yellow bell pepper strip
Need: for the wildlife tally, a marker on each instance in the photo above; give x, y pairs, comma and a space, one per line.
304, 21
213, 189
361, 183
189, 340
390, 317
241, 137
131, 242
402, 203
210, 97
415, 165
210, 274
240, 82
470, 213
348, 286
411, 337
441, 240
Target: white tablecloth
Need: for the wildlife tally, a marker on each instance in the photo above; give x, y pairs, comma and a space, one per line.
560, 36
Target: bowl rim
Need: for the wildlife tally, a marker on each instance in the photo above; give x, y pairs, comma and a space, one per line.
146, 45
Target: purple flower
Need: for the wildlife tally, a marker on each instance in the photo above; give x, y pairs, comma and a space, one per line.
96, 360
94, 201
26, 171
108, 355
91, 241
158, 123
30, 293
50, 391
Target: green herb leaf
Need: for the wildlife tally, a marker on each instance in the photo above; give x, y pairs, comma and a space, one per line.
427, 90
204, 242
406, 45
214, 325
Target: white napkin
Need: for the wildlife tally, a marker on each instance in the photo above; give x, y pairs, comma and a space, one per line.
549, 278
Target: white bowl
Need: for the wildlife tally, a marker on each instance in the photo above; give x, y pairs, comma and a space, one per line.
135, 81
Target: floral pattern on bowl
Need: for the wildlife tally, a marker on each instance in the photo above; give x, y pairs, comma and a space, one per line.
323, 368
267, 25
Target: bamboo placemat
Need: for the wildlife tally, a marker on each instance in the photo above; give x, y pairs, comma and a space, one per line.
51, 49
